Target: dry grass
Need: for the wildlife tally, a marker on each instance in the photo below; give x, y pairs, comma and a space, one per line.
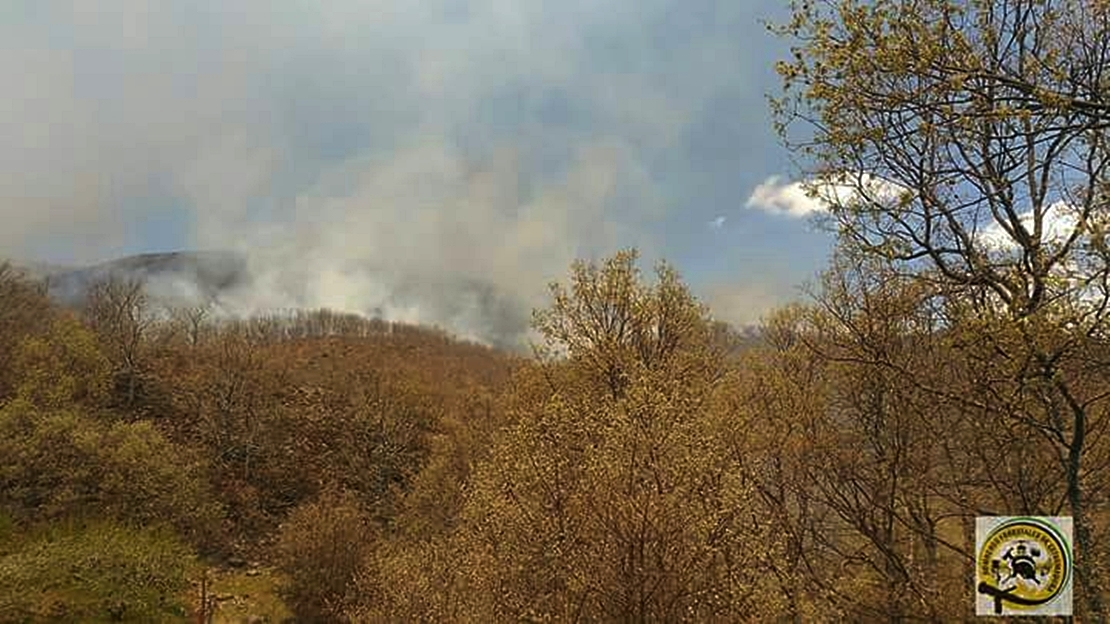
246, 595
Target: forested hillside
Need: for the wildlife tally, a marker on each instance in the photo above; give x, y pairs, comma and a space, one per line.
644, 465
138, 452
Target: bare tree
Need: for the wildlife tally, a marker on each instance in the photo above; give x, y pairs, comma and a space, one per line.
117, 310
193, 320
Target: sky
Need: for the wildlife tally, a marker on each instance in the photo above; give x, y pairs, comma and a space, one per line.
439, 140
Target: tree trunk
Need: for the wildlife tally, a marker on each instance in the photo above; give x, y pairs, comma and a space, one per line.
1087, 575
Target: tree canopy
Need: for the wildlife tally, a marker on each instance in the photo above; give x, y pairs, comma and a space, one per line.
964, 145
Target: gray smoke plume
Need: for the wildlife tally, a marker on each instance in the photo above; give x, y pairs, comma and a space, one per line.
436, 161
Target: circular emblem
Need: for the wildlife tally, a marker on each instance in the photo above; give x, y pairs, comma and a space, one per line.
1023, 563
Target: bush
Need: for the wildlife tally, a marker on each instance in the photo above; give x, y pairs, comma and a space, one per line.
321, 548
24, 311
61, 366
95, 572
61, 463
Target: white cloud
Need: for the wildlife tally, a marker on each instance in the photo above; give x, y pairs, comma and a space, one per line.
717, 223
789, 198
1059, 222
805, 198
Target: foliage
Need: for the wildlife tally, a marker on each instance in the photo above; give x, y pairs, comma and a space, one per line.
944, 121
24, 311
279, 421
320, 548
60, 367
612, 494
430, 507
648, 464
887, 424
94, 572
963, 146
63, 463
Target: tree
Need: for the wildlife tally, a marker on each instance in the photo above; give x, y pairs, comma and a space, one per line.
117, 310
62, 463
610, 325
192, 320
867, 444
60, 366
613, 493
784, 389
321, 548
24, 311
966, 144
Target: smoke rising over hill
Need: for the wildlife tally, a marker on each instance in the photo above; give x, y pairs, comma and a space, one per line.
437, 143
226, 282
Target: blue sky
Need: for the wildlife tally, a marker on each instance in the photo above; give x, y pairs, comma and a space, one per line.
496, 139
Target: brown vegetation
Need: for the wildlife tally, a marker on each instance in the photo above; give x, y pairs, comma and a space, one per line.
642, 467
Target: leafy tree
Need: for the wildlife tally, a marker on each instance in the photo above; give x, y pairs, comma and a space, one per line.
321, 547
62, 463
611, 325
24, 311
965, 144
784, 390
876, 448
431, 506
62, 366
612, 494
413, 572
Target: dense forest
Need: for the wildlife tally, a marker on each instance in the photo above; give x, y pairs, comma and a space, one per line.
646, 462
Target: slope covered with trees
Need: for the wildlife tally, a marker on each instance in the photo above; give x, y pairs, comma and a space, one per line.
640, 467
131, 438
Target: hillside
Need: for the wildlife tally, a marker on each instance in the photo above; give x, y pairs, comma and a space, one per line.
322, 466
219, 432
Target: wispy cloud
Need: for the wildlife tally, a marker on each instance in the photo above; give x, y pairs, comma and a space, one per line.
717, 223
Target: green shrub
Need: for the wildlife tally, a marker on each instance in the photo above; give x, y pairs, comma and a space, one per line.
98, 571
62, 463
62, 366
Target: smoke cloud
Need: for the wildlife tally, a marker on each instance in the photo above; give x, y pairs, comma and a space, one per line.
436, 162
